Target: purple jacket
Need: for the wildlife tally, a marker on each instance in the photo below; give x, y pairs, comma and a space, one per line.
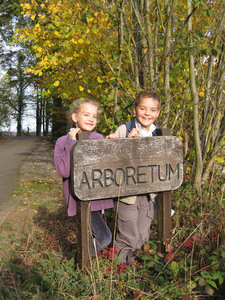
62, 150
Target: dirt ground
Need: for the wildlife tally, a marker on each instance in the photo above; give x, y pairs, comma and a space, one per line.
39, 217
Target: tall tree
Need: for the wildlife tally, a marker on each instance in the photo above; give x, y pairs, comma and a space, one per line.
208, 112
19, 80
5, 96
14, 60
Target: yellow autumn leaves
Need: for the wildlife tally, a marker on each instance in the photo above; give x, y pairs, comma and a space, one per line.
81, 88
62, 42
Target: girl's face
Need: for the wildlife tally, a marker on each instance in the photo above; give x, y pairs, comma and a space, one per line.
147, 112
86, 118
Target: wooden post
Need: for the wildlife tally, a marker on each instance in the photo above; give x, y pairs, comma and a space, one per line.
164, 208
84, 236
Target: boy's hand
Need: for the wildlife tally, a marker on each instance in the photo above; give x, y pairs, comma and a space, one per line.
134, 133
112, 136
73, 133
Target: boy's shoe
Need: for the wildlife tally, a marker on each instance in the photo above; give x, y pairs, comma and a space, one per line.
132, 256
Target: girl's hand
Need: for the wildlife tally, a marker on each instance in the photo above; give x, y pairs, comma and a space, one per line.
73, 133
134, 133
112, 136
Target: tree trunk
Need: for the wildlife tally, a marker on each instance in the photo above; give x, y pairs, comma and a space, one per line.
197, 141
59, 120
150, 44
19, 114
139, 16
167, 64
120, 46
38, 116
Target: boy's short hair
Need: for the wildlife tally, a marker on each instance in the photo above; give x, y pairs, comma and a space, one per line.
147, 94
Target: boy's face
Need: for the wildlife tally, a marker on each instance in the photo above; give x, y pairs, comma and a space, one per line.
86, 118
147, 112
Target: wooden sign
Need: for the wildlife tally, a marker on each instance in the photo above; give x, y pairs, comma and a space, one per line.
123, 167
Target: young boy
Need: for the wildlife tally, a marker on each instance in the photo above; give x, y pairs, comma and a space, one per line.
135, 213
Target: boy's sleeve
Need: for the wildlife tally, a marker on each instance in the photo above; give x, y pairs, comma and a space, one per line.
121, 131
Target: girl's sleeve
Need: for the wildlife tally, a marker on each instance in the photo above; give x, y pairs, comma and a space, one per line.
62, 150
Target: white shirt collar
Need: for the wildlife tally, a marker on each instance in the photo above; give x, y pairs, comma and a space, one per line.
143, 131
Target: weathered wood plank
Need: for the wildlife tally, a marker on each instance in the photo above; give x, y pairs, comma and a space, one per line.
123, 167
164, 208
84, 226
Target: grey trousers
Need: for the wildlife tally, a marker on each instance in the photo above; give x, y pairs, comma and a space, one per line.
134, 222
102, 235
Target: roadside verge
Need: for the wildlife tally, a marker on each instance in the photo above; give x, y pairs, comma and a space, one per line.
36, 208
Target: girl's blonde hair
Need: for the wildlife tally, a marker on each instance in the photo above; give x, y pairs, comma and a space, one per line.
76, 106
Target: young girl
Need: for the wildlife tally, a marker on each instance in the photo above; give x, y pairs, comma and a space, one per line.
84, 118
